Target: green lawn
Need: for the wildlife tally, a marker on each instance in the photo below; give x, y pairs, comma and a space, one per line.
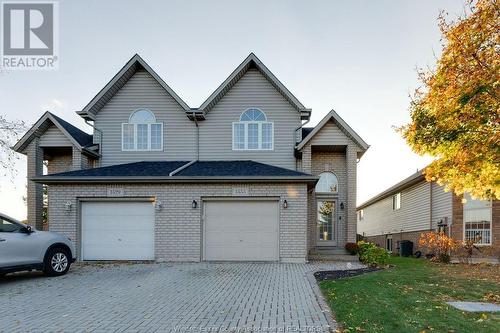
411, 298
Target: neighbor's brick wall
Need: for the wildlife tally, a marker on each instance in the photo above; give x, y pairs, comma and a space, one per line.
178, 231
457, 228
412, 236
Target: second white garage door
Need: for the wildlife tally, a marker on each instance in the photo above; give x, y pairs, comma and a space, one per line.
241, 230
117, 230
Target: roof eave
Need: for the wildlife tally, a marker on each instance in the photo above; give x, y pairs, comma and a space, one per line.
174, 179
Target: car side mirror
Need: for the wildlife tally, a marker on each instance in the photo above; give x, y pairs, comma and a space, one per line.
28, 229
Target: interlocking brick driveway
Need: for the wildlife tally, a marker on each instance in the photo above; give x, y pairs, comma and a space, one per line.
183, 297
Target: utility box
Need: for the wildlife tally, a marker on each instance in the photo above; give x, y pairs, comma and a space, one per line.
405, 248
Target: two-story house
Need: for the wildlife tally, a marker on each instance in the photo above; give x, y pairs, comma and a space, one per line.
238, 178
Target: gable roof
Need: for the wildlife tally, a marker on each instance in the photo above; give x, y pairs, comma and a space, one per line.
180, 171
341, 124
118, 81
76, 136
417, 177
253, 62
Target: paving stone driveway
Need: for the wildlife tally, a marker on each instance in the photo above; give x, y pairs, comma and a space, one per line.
182, 297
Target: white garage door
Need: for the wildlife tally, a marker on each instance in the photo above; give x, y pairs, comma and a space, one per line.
117, 231
241, 230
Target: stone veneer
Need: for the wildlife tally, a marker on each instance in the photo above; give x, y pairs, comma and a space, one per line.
178, 229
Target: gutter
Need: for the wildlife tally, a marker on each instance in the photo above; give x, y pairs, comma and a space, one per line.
175, 179
97, 130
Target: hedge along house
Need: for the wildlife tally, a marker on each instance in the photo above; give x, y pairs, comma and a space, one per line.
238, 178
414, 205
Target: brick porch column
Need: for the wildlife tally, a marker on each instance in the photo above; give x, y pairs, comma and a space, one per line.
306, 159
351, 164
35, 191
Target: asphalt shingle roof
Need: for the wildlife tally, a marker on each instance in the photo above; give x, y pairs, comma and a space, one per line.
197, 169
306, 131
84, 139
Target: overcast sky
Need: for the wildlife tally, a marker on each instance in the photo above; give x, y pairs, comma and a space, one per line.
357, 57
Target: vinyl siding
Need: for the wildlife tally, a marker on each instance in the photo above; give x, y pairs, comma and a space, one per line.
252, 90
330, 135
414, 215
441, 204
143, 91
53, 137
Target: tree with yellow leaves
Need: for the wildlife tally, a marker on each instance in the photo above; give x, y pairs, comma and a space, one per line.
455, 114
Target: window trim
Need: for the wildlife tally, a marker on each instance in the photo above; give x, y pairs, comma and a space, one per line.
464, 223
331, 192
397, 195
149, 137
388, 239
260, 135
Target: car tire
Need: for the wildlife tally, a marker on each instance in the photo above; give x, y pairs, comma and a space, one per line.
56, 262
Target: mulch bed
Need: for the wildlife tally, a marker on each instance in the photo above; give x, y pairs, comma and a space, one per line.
334, 275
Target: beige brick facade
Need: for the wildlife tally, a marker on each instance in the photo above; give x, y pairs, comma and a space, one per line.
178, 227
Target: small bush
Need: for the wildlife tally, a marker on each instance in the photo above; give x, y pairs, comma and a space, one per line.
439, 244
352, 248
372, 255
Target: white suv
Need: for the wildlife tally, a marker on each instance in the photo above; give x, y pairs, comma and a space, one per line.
24, 248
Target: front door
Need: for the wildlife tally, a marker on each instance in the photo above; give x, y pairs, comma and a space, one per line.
327, 228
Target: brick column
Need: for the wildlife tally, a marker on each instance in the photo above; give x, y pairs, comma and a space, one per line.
35, 191
306, 159
350, 207
78, 159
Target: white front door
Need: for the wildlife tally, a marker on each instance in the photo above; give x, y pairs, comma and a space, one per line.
117, 230
241, 230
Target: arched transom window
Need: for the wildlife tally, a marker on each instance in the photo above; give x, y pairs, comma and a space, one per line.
327, 183
253, 131
142, 132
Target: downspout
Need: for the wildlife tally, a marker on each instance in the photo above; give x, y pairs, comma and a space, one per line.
430, 205
301, 125
197, 137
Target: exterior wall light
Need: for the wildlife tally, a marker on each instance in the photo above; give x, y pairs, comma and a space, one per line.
194, 204
158, 205
68, 205
342, 206
285, 204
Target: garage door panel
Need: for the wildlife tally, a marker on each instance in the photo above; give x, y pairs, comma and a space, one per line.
117, 231
241, 230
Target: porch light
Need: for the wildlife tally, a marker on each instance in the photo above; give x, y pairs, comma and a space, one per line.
158, 205
67, 205
285, 204
194, 204
342, 206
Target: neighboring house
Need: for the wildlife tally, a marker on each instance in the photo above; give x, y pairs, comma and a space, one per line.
414, 205
238, 178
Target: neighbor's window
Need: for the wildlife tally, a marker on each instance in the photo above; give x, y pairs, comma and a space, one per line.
361, 215
253, 131
477, 220
327, 183
142, 132
396, 201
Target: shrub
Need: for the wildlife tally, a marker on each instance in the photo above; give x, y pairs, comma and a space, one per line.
352, 248
372, 255
438, 244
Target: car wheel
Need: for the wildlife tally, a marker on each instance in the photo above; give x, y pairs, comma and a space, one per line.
56, 262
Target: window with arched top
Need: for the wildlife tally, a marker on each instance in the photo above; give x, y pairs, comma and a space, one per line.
327, 183
142, 132
253, 131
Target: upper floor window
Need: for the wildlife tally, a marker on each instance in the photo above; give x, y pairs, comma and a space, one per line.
327, 183
396, 201
253, 131
477, 220
142, 132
